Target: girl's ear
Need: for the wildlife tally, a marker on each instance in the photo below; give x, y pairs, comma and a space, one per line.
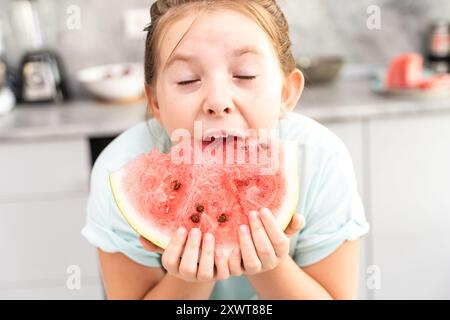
152, 103
292, 90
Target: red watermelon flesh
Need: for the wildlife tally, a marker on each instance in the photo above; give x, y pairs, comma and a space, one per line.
405, 71
157, 193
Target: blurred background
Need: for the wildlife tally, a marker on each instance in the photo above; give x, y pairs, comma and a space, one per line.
71, 79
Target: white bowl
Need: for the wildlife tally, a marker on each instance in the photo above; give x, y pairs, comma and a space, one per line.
114, 82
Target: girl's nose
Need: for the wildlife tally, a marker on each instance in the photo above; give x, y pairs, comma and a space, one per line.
218, 100
218, 109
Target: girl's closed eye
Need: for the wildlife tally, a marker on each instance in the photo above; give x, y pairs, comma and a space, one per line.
240, 77
245, 77
187, 82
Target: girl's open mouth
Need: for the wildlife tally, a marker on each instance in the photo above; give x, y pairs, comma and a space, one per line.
222, 135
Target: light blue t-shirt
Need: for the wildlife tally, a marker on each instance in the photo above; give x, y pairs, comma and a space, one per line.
328, 197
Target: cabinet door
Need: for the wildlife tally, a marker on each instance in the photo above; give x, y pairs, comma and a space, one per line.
410, 199
351, 133
43, 167
43, 250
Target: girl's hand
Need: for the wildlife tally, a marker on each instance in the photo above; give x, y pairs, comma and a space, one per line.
264, 245
184, 259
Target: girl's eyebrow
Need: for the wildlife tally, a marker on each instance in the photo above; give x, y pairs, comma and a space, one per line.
235, 53
246, 49
179, 57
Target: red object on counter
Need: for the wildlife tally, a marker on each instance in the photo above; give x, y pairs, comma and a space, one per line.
435, 82
405, 72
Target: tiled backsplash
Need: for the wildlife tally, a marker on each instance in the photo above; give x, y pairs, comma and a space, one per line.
318, 27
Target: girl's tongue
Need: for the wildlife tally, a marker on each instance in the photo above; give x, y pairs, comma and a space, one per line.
225, 139
214, 135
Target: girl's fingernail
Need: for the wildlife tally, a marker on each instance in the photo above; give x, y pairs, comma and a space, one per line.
181, 231
266, 212
219, 254
209, 237
253, 215
244, 230
195, 232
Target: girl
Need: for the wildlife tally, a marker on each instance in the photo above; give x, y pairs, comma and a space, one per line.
228, 64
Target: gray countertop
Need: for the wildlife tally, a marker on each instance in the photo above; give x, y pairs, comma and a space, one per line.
345, 100
81, 118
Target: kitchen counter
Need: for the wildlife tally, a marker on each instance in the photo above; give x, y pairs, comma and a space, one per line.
354, 100
345, 100
81, 118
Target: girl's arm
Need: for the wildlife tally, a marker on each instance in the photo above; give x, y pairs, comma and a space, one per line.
191, 274
126, 279
275, 275
335, 277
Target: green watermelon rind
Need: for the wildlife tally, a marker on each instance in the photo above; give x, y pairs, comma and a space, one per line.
291, 154
129, 220
291, 161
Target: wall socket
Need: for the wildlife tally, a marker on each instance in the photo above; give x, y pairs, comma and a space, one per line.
135, 20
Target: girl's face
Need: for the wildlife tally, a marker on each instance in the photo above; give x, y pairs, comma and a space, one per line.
224, 73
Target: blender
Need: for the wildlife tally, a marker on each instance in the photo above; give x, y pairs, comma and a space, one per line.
41, 75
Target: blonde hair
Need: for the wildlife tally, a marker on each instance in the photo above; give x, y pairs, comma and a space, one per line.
266, 13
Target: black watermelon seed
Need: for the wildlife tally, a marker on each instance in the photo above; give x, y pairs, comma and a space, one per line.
195, 218
264, 146
177, 185
244, 147
222, 218
200, 208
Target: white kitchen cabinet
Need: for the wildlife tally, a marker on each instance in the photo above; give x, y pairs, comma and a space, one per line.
352, 134
42, 248
42, 167
42, 238
90, 291
410, 205
43, 194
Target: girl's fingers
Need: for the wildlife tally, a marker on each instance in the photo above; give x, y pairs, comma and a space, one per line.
278, 238
171, 256
206, 267
149, 246
297, 223
222, 271
261, 241
235, 263
251, 261
188, 264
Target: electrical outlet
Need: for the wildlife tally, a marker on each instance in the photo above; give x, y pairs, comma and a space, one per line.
135, 20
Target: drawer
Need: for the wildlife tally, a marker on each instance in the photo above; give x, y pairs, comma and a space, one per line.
44, 167
39, 240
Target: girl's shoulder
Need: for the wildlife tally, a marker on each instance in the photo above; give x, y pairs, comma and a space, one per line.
310, 134
133, 142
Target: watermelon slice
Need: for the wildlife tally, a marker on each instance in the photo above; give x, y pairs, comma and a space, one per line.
405, 71
157, 193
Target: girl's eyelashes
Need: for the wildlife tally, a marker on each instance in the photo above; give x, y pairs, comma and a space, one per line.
245, 77
188, 82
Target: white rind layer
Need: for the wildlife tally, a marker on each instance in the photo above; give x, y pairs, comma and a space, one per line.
291, 174
133, 217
